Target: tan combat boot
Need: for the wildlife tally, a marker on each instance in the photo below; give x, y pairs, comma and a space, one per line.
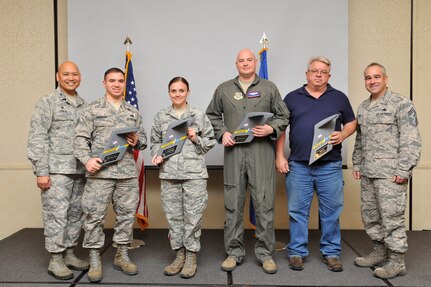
95, 273
269, 266
177, 264
379, 255
229, 264
190, 265
393, 268
122, 261
57, 268
73, 262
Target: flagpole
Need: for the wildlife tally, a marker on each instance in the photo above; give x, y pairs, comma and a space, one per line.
263, 73
263, 70
128, 42
136, 243
264, 41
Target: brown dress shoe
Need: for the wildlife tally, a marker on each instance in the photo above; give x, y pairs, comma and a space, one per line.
333, 263
296, 263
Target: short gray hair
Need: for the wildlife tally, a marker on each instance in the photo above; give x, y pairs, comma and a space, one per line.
319, 59
378, 65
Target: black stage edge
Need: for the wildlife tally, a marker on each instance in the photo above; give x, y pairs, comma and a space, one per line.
24, 261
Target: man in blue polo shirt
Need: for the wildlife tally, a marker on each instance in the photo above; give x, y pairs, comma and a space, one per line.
308, 105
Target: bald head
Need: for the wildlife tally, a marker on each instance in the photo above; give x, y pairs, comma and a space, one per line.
245, 53
67, 65
68, 77
246, 63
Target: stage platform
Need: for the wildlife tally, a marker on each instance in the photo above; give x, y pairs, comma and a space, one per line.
24, 261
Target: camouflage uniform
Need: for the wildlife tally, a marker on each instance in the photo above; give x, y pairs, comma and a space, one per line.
387, 144
116, 182
183, 177
50, 151
251, 164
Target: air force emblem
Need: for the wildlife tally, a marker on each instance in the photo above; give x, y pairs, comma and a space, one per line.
238, 96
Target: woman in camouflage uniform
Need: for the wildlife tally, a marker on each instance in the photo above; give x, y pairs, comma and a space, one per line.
183, 177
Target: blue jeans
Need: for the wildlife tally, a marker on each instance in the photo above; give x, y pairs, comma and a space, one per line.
326, 179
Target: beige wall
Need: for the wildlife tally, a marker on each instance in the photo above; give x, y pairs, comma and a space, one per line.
379, 30
421, 211
27, 64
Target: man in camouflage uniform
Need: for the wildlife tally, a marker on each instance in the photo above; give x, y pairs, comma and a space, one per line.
250, 164
387, 148
117, 181
60, 176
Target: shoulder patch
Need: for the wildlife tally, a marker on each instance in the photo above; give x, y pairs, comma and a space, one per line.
412, 117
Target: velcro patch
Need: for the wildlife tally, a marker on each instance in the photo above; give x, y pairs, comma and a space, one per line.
413, 118
253, 94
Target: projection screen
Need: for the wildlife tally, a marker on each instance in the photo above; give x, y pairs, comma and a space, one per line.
199, 40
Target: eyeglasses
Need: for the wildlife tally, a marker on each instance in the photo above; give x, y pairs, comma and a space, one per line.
322, 72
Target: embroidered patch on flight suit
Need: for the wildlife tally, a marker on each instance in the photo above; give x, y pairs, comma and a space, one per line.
253, 94
238, 96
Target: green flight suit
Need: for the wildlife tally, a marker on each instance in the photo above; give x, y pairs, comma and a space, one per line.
248, 165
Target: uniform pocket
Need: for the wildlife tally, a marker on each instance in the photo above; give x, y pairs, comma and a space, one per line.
62, 145
193, 165
102, 122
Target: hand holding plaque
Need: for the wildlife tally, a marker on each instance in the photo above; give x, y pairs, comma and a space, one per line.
321, 137
174, 139
243, 133
116, 146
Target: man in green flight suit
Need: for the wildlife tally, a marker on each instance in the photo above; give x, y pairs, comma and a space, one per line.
249, 164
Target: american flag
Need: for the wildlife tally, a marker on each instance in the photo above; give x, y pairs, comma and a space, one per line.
130, 92
130, 97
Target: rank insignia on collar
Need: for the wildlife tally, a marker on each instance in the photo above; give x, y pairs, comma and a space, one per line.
238, 96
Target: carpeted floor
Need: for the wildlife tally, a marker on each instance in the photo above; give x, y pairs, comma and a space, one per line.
24, 261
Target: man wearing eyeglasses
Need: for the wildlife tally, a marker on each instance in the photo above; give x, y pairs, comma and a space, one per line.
308, 105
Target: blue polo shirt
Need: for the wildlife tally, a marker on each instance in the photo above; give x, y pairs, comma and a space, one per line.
306, 111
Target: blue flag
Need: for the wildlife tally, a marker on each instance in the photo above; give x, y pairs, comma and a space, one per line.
263, 71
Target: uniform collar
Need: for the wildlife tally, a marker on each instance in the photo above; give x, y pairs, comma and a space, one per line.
304, 91
105, 103
188, 112
255, 81
382, 101
62, 95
